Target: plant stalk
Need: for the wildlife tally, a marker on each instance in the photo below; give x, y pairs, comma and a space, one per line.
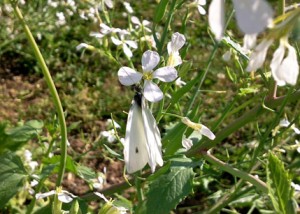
53, 91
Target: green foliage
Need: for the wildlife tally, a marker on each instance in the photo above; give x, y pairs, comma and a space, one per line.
12, 176
15, 137
279, 185
170, 188
160, 10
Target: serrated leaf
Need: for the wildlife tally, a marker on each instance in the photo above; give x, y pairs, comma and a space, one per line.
279, 185
168, 190
160, 10
12, 176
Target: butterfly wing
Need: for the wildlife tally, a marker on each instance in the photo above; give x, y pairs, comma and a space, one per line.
153, 137
135, 145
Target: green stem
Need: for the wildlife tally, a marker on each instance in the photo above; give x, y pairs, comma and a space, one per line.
164, 34
53, 91
236, 172
197, 91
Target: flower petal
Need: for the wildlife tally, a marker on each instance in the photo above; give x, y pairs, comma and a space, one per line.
276, 61
116, 41
289, 68
64, 197
132, 44
206, 132
153, 138
201, 10
150, 60
109, 3
152, 92
253, 16
135, 20
128, 76
165, 74
216, 18
127, 51
187, 143
258, 56
249, 41
176, 43
44, 195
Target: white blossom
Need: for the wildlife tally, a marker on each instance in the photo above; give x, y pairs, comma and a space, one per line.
285, 70
176, 43
128, 7
252, 16
258, 56
62, 195
125, 44
187, 143
150, 59
285, 123
138, 24
203, 130
200, 4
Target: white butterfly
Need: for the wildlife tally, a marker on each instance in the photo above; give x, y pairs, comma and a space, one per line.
142, 139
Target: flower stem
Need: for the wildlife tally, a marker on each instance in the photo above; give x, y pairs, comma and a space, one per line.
236, 172
53, 91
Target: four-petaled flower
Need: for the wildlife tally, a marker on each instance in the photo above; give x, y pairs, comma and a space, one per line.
176, 43
150, 59
124, 43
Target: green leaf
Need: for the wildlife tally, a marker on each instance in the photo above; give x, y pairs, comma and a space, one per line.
12, 176
55, 160
15, 137
85, 173
160, 10
279, 185
169, 189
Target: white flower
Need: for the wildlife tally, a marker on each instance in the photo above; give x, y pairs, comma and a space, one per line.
111, 122
128, 7
52, 3
61, 18
285, 123
142, 139
252, 16
138, 24
150, 59
107, 3
298, 146
187, 143
203, 130
125, 44
200, 4
110, 135
174, 46
258, 56
285, 70
149, 39
249, 42
62, 195
179, 82
296, 186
